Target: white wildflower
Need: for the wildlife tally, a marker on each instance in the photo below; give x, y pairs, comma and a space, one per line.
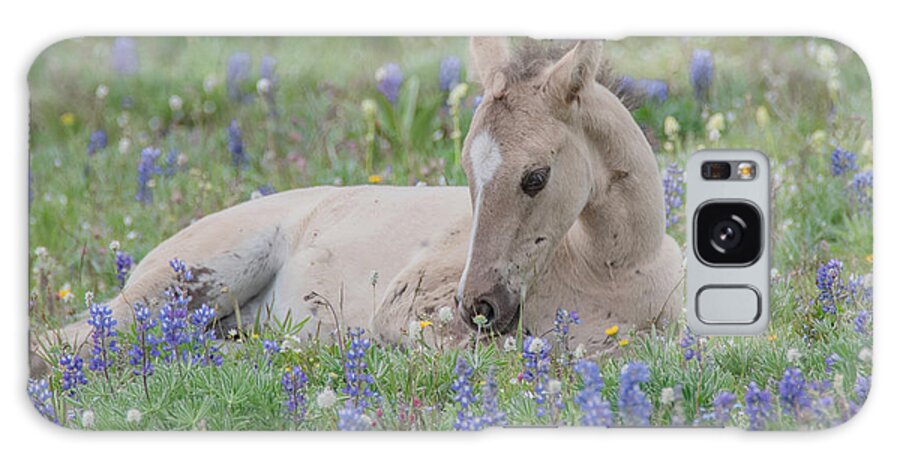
554, 386
445, 314
579, 352
263, 86
102, 91
40, 252
793, 355
509, 345
124, 145
87, 419
326, 398
133, 416
175, 103
536, 345
667, 395
115, 245
865, 355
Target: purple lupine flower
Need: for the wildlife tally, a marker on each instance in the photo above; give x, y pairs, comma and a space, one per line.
237, 73
701, 74
595, 411
649, 88
358, 379
171, 162
125, 56
859, 292
236, 144
124, 263
792, 392
862, 190
860, 393
271, 347
536, 353
294, 385
830, 285
173, 316
562, 325
146, 345
634, 406
690, 345
266, 190
758, 406
842, 162
352, 419
389, 78
202, 336
673, 190
491, 413
104, 337
861, 321
448, 75
73, 373
97, 141
464, 396
42, 398
147, 168
723, 403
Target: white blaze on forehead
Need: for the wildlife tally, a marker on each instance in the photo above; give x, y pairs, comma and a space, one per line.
486, 158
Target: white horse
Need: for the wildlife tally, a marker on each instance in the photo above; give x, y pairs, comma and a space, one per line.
564, 208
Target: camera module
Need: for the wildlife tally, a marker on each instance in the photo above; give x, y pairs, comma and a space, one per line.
728, 233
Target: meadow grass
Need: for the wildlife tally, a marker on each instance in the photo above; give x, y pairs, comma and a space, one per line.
323, 121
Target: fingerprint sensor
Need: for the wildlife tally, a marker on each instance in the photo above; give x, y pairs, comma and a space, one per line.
726, 304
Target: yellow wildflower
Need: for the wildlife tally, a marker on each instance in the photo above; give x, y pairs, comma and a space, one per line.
716, 122
623, 342
612, 331
67, 119
423, 324
369, 108
254, 336
64, 293
374, 179
671, 127
869, 259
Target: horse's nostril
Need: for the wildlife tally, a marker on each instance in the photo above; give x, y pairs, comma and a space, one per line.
486, 309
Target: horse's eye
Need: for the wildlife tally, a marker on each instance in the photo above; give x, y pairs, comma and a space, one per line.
534, 181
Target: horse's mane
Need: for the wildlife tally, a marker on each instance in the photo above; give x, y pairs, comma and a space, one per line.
530, 57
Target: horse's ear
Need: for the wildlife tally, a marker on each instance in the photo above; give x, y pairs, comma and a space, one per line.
573, 72
489, 56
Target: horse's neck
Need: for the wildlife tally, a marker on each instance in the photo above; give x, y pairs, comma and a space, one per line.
623, 225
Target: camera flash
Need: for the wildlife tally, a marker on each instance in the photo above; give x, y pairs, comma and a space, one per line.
746, 170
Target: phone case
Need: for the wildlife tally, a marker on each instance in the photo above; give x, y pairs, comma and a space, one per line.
330, 233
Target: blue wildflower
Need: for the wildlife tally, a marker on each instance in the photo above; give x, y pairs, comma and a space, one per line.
830, 285
267, 72
352, 419
145, 347
42, 398
477, 101
147, 168
97, 141
202, 336
104, 337
271, 347
842, 162
562, 325
125, 56
861, 321
237, 73
294, 385
536, 353
634, 406
595, 411
124, 263
862, 190
72, 373
171, 162
758, 406
173, 316
792, 392
723, 403
673, 190
491, 413
448, 76
701, 74
649, 88
690, 345
464, 396
860, 393
389, 78
358, 379
236, 144
266, 190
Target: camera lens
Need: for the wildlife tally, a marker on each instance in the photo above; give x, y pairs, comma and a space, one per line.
728, 233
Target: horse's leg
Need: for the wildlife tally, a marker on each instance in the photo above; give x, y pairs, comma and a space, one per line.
428, 283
